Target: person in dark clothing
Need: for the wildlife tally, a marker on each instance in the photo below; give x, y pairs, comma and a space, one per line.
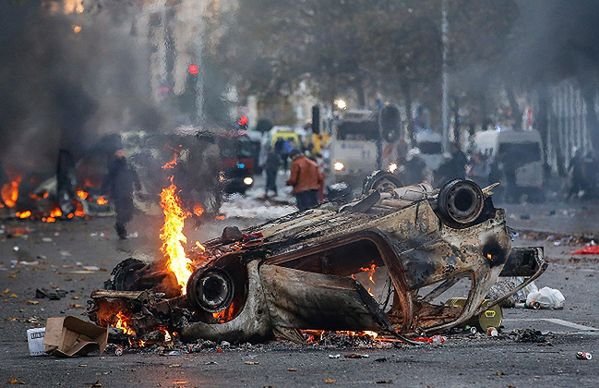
453, 166
280, 150
459, 161
271, 168
590, 173
577, 174
445, 172
120, 182
415, 170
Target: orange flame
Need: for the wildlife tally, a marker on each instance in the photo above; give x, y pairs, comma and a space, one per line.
123, 323
79, 212
200, 246
40, 196
371, 270
224, 315
102, 200
198, 210
82, 194
172, 236
171, 163
56, 212
10, 192
24, 214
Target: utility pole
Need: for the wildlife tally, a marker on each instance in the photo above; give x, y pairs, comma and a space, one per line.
445, 76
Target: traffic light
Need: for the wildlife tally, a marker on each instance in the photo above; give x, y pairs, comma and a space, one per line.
243, 122
193, 69
390, 123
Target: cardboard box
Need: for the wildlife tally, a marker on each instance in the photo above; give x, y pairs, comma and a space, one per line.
35, 340
70, 336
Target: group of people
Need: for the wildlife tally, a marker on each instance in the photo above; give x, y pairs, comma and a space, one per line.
413, 169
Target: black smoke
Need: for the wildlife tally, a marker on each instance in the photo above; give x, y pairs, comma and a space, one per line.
65, 90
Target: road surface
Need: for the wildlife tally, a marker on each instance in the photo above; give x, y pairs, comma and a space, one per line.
64, 255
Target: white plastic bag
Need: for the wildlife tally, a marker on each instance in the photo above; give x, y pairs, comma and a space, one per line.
546, 298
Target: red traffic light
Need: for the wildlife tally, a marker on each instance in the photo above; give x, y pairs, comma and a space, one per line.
243, 121
193, 69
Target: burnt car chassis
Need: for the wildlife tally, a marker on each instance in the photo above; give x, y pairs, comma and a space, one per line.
306, 270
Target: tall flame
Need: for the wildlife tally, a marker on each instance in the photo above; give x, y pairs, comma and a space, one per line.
172, 236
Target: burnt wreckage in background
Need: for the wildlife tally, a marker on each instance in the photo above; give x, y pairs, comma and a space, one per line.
312, 270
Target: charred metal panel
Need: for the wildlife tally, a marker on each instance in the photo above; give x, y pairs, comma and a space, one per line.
308, 300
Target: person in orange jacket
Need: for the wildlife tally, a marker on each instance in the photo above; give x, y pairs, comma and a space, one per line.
306, 179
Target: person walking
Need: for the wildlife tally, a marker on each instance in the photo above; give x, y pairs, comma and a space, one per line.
120, 182
305, 178
271, 168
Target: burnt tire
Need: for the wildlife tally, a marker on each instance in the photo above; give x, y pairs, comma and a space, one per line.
221, 288
381, 181
122, 277
460, 203
211, 290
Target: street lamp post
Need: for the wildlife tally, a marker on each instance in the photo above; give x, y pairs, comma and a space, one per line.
445, 77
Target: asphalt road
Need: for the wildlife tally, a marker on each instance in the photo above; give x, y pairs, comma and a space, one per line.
64, 255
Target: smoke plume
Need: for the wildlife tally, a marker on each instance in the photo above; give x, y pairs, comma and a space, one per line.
68, 79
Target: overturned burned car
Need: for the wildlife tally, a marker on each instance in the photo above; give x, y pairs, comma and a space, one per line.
385, 262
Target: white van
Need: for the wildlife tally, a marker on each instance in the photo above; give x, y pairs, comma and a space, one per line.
353, 148
517, 151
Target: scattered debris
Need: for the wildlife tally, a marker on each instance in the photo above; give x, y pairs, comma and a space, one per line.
492, 332
70, 336
334, 356
356, 355
329, 380
55, 294
546, 298
584, 356
434, 340
528, 335
587, 250
91, 268
509, 284
15, 381
35, 341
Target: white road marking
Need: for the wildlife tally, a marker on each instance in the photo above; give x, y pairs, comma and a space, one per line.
555, 321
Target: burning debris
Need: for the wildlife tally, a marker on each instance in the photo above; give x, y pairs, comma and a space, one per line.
379, 266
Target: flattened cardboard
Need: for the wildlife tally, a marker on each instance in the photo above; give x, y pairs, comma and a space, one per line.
70, 336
